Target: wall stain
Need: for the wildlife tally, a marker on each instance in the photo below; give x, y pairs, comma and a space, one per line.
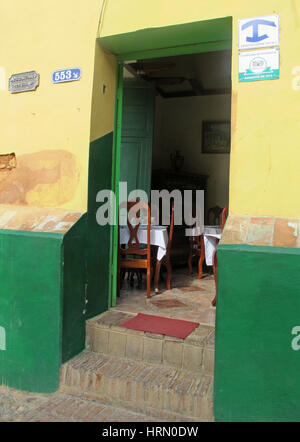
48, 179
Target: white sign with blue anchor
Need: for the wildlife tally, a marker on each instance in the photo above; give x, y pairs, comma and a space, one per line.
259, 32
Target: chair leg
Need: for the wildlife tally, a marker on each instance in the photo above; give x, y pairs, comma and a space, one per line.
118, 282
190, 267
169, 274
140, 278
148, 282
122, 277
131, 278
156, 277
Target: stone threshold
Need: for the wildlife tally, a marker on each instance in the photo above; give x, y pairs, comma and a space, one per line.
194, 353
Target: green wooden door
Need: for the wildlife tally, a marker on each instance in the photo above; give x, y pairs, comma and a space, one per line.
137, 135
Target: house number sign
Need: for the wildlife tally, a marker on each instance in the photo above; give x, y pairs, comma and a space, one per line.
26, 81
64, 75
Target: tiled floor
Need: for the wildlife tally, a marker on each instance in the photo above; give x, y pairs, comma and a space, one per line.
190, 298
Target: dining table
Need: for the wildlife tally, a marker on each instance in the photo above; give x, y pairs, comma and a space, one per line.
212, 236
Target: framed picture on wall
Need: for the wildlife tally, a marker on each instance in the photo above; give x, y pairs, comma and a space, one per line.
216, 137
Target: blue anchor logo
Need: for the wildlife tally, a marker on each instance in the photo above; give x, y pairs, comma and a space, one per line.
255, 23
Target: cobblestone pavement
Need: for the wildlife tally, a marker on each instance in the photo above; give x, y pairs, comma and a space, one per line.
18, 406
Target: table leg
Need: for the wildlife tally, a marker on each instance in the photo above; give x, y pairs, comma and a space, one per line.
200, 263
201, 258
156, 277
214, 301
190, 259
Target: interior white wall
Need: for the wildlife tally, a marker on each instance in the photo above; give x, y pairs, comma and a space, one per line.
178, 126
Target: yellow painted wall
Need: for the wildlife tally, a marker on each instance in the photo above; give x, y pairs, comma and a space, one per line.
50, 129
265, 158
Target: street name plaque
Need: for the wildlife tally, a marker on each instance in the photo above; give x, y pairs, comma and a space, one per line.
26, 81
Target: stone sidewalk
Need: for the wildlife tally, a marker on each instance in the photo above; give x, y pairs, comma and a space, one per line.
18, 406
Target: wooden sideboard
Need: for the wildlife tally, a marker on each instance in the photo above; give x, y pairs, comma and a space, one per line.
171, 180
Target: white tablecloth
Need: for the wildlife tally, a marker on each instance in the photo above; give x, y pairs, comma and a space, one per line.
211, 236
158, 237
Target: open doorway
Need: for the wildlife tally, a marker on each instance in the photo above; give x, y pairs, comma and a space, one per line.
176, 135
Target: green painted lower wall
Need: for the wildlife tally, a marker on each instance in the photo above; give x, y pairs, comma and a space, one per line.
30, 310
98, 237
256, 369
42, 305
74, 289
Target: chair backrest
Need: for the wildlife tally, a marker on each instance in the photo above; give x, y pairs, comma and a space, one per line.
134, 210
171, 229
215, 213
224, 217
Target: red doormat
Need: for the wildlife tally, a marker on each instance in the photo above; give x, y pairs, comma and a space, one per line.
164, 326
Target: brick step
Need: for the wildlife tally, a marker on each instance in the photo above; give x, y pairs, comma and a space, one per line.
154, 390
67, 408
194, 353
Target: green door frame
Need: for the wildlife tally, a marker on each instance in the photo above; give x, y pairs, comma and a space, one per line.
184, 39
116, 156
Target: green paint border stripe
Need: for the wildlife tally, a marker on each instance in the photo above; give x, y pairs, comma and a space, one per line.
258, 249
31, 233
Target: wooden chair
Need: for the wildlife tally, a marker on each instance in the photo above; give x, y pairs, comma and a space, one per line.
166, 259
133, 256
196, 250
224, 217
214, 213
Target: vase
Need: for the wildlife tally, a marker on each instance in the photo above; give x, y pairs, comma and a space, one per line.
177, 160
